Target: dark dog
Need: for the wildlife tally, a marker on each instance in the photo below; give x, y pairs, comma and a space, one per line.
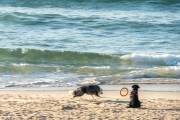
90, 90
134, 101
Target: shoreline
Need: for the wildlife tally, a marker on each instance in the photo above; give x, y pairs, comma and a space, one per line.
143, 87
107, 93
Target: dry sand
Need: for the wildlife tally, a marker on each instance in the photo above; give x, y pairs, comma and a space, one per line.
58, 105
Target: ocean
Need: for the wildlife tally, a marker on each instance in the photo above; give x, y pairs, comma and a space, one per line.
58, 43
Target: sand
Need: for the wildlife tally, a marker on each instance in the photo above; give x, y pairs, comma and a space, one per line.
58, 105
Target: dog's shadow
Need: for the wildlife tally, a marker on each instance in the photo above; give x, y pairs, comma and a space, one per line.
110, 101
116, 101
168, 109
101, 100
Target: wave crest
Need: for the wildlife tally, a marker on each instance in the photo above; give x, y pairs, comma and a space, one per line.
34, 56
164, 59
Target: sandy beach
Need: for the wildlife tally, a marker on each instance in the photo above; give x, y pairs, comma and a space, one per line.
56, 105
50, 47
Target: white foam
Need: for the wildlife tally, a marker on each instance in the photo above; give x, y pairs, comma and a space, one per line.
170, 71
173, 68
168, 59
21, 64
88, 81
97, 67
24, 50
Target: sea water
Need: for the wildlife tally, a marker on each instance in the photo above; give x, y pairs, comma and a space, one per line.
73, 42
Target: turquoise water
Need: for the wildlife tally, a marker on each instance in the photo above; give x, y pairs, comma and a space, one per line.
69, 42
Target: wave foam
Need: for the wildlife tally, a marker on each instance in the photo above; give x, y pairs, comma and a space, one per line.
164, 59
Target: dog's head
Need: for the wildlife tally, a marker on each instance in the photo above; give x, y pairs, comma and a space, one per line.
135, 87
77, 93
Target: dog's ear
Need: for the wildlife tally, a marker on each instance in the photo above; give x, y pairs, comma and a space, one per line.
135, 86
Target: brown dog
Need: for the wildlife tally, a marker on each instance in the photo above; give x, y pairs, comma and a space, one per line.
134, 100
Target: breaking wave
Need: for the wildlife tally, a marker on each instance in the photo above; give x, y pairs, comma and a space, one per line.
34, 56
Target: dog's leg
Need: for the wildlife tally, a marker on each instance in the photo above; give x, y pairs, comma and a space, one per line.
97, 94
92, 97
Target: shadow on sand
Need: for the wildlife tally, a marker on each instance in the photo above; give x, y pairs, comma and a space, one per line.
169, 109
116, 101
